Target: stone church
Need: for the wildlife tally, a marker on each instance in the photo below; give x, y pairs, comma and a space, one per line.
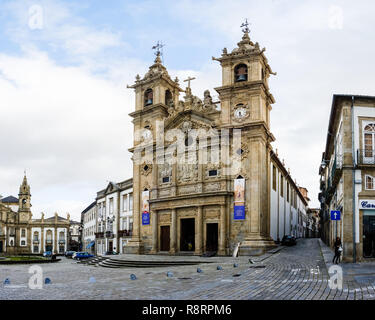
227, 189
20, 234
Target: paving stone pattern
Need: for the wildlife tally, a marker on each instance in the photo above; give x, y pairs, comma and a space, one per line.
292, 273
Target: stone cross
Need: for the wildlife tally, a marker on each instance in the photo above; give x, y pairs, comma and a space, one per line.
188, 81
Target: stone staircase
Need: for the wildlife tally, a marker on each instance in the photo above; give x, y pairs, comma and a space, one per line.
93, 261
119, 263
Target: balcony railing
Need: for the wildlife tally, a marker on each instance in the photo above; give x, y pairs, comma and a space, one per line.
366, 157
48, 241
36, 241
99, 234
62, 241
109, 234
125, 233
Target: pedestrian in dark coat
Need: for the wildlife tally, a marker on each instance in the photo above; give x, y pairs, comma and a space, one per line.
338, 249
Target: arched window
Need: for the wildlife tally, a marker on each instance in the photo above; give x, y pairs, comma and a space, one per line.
240, 73
168, 97
49, 235
369, 140
148, 97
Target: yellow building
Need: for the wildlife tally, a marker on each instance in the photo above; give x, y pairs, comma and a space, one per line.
202, 168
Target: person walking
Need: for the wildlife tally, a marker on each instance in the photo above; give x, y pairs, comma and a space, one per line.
338, 250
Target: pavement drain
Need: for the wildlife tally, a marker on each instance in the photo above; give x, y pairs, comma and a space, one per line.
257, 267
237, 275
184, 278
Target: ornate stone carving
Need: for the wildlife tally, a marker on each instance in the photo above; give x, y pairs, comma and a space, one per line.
146, 169
164, 218
187, 172
187, 189
208, 105
212, 187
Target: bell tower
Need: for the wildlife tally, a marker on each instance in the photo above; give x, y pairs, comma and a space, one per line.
246, 105
156, 96
24, 196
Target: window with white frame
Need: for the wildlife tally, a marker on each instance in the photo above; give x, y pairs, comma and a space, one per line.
369, 140
111, 206
125, 202
130, 202
369, 181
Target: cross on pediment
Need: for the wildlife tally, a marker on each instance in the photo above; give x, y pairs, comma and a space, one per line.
158, 47
188, 81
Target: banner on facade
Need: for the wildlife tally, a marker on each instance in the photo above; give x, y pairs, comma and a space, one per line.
239, 191
239, 199
239, 212
145, 198
145, 218
367, 204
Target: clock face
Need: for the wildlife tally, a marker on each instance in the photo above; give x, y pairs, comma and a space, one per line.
240, 113
24, 201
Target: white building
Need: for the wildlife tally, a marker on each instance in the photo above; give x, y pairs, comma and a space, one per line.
88, 221
114, 217
289, 206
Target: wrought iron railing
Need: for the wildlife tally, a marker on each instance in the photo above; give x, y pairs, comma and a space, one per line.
99, 234
366, 156
125, 233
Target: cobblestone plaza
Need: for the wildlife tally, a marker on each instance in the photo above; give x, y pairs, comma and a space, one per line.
292, 273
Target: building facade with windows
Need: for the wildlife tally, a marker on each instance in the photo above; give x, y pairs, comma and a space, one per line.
114, 223
347, 176
20, 234
185, 204
88, 222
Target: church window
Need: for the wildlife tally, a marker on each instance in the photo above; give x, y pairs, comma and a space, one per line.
188, 141
240, 152
369, 140
148, 97
212, 173
240, 73
369, 183
274, 177
168, 97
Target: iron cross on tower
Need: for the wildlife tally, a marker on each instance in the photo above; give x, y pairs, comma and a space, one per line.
245, 26
159, 48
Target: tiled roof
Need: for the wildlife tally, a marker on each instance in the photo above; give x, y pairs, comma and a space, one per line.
9, 199
89, 207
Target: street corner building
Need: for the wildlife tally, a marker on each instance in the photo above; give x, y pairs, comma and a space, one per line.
245, 198
347, 176
20, 234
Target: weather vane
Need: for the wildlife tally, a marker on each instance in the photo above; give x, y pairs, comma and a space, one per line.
245, 27
159, 49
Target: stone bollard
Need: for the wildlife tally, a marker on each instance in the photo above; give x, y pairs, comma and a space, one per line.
219, 268
92, 280
169, 274
47, 281
235, 265
6, 281
199, 270
133, 277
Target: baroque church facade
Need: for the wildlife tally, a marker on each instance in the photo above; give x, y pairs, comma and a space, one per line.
240, 195
20, 234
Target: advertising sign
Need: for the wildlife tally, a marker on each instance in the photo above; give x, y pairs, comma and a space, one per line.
367, 204
145, 198
239, 212
239, 199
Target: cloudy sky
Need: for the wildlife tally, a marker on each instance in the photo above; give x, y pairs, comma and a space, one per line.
64, 67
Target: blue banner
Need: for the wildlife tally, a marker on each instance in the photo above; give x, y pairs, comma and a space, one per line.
145, 218
239, 212
335, 215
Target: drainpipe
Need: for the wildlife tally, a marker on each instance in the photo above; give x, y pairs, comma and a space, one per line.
353, 184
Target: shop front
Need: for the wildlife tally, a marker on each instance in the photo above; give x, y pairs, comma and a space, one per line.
367, 208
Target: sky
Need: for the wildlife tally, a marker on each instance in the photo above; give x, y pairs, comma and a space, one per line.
64, 67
